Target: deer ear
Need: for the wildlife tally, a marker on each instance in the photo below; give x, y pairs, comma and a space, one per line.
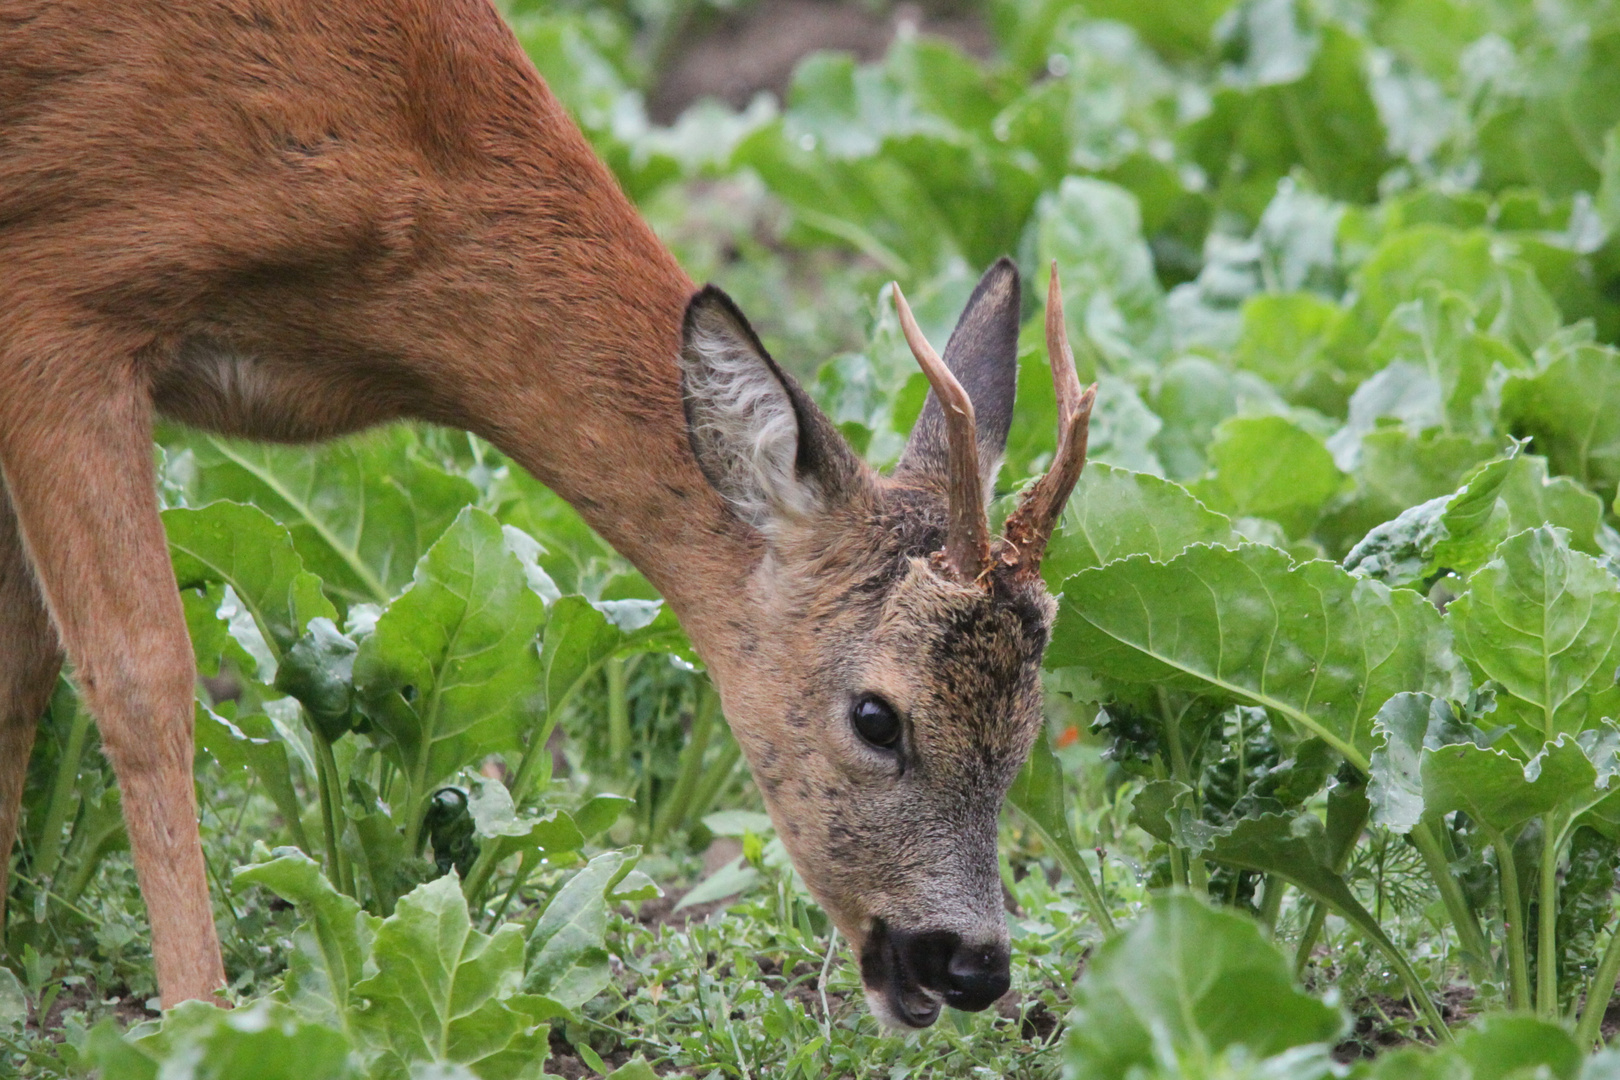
756, 434
983, 355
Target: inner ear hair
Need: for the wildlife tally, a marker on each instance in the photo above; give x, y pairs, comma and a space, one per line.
757, 436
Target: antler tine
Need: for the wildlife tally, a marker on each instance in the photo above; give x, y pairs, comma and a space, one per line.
967, 537
1030, 526
1065, 379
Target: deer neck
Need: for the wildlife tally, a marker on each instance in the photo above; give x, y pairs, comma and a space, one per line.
592, 408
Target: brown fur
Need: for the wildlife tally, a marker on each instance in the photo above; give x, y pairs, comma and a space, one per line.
291, 219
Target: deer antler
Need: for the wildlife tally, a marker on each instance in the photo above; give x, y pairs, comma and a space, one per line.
1030, 526
967, 537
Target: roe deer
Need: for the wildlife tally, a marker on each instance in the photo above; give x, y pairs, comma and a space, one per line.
292, 219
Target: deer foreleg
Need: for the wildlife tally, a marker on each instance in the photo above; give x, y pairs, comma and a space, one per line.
77, 459
29, 662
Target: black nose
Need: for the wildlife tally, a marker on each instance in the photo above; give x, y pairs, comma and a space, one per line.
969, 976
976, 976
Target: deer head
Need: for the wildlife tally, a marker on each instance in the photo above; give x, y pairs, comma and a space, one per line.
886, 680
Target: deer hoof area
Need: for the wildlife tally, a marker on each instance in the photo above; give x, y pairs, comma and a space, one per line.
908, 975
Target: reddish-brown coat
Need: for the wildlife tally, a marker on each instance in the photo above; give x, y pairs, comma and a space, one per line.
290, 219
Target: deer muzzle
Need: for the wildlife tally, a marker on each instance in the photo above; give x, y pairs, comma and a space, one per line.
913, 973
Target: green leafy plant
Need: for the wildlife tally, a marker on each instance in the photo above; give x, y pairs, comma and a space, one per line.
1336, 649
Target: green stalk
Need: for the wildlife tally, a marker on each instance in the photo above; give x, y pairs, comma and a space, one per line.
715, 779
1178, 860
526, 865
1271, 900
416, 806
1068, 858
1598, 994
89, 862
1195, 875
643, 792
1307, 940
615, 669
1347, 813
1178, 868
1198, 875
1476, 951
672, 814
1546, 941
326, 778
533, 754
63, 787
1512, 924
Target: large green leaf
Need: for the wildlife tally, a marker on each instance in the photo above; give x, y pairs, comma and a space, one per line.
1246, 626
332, 950
318, 670
1037, 794
1509, 302
1284, 338
1571, 409
1543, 621
1187, 981
442, 992
497, 822
360, 511
1093, 230
252, 742
567, 955
1456, 532
1397, 470
1500, 1047
198, 1041
1533, 497
1270, 467
1433, 762
1312, 109
1114, 513
448, 672
243, 547
580, 635
1551, 138
1460, 532
1436, 334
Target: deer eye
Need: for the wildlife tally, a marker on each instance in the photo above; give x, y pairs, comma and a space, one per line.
875, 721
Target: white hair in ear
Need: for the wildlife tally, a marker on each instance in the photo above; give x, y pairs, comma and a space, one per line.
742, 424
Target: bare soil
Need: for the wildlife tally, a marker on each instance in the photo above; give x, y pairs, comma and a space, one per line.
735, 55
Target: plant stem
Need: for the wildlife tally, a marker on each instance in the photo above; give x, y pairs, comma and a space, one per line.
326, 780
614, 668
1513, 924
533, 754
1546, 940
1271, 900
715, 777
526, 867
1062, 849
1476, 951
59, 898
1347, 813
1307, 940
672, 814
63, 787
1193, 874
1599, 994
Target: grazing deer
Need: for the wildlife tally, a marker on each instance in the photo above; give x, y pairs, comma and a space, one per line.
293, 219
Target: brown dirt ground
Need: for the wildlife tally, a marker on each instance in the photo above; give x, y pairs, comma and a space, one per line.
735, 55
